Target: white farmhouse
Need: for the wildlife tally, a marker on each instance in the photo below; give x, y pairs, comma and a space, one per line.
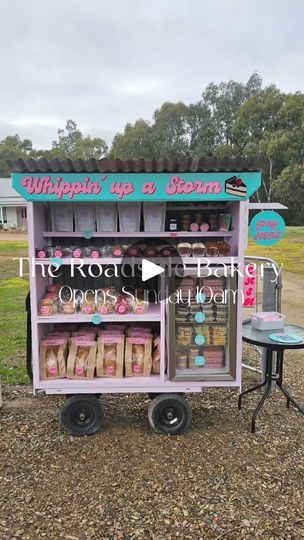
12, 206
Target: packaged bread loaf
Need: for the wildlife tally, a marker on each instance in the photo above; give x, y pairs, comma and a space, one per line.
138, 356
82, 358
156, 356
53, 358
110, 355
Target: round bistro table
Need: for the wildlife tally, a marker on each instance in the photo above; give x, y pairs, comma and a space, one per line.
261, 339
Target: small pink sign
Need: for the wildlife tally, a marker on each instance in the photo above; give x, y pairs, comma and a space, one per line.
249, 287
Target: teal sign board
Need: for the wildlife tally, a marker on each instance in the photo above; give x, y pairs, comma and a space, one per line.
137, 187
267, 228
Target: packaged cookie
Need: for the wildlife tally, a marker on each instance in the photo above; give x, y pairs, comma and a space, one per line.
48, 306
92, 252
133, 251
123, 304
167, 251
184, 249
106, 300
198, 249
150, 250
116, 251
87, 305
77, 252
181, 361
41, 253
53, 358
110, 355
140, 303
212, 249
82, 358
138, 356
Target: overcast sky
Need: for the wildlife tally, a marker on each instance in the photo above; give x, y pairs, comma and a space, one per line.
107, 62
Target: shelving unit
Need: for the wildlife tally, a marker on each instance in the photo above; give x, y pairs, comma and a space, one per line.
152, 314
140, 235
206, 192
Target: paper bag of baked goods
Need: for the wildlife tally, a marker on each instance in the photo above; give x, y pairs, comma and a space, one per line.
138, 356
156, 356
110, 355
82, 358
53, 358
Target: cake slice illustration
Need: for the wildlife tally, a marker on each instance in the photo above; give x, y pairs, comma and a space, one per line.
235, 186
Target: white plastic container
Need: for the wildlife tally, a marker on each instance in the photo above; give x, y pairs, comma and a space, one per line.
154, 216
84, 214
268, 320
62, 217
129, 216
106, 217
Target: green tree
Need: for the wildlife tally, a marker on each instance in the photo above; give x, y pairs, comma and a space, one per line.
13, 147
134, 143
289, 189
170, 131
224, 101
73, 144
272, 124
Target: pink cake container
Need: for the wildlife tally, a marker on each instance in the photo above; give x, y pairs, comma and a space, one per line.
268, 320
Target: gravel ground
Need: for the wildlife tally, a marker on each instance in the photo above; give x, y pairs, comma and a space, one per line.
216, 481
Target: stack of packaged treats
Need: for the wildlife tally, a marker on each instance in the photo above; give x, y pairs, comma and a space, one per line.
214, 357
213, 286
218, 335
220, 313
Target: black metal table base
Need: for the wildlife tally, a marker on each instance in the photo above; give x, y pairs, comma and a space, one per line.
270, 378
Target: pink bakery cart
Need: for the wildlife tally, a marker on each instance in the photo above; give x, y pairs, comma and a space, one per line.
91, 333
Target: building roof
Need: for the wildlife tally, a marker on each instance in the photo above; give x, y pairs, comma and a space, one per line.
8, 195
204, 164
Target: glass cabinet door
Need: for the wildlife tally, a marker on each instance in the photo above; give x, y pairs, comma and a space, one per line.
202, 329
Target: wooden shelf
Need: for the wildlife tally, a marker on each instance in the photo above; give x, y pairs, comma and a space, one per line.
165, 234
123, 382
152, 314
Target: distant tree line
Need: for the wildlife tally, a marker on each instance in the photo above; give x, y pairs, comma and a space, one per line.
230, 119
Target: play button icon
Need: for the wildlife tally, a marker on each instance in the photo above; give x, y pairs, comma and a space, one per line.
150, 270
153, 266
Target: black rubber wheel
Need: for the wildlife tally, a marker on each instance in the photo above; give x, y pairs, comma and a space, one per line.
82, 415
169, 414
152, 396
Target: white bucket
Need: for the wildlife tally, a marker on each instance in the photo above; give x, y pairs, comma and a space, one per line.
154, 216
106, 217
84, 214
129, 216
62, 217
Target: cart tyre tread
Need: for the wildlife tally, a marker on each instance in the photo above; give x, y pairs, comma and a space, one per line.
90, 408
169, 401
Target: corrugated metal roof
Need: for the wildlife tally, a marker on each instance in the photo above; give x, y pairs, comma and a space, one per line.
204, 164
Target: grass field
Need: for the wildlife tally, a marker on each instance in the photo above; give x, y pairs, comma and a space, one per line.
289, 251
13, 290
